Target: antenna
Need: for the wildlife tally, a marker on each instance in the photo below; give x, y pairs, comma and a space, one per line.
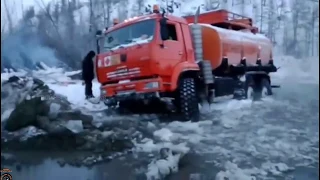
166, 4
196, 16
163, 12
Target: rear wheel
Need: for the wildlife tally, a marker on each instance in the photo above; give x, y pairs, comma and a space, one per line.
188, 100
257, 88
266, 89
251, 89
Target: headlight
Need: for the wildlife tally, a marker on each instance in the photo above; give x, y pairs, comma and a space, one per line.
99, 63
152, 85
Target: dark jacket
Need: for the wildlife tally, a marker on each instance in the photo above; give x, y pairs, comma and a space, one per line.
88, 67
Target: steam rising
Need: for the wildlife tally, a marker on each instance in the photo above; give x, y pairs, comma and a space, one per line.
23, 49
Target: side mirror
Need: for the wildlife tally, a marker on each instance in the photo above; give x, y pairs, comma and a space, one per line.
163, 29
98, 33
98, 45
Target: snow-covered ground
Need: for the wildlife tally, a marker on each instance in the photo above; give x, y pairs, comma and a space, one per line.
240, 140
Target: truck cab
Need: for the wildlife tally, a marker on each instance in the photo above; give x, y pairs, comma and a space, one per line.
134, 60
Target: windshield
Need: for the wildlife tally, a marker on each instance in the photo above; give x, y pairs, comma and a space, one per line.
138, 33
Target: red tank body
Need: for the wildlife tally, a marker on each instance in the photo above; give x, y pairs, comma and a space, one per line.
235, 45
230, 35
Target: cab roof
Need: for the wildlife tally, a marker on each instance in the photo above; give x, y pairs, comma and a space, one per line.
146, 17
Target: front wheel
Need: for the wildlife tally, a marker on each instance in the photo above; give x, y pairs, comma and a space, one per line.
188, 100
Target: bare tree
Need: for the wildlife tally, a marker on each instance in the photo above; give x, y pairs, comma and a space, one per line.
122, 10
271, 21
8, 15
224, 4
211, 5
314, 20
140, 5
109, 4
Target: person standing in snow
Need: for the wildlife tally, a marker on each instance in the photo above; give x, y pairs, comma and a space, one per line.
88, 74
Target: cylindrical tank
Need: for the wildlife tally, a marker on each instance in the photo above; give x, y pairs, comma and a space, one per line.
218, 43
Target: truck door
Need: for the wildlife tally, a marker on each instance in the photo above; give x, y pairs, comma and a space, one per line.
173, 51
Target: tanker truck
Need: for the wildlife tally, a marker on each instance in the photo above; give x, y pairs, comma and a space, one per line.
160, 61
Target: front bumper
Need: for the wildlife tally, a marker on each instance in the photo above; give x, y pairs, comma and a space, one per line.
141, 89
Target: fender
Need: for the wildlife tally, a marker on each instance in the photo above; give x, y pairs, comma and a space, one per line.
178, 69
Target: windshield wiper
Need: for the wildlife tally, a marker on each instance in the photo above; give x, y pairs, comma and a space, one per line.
128, 41
109, 48
132, 41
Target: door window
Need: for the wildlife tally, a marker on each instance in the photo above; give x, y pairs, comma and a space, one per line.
172, 32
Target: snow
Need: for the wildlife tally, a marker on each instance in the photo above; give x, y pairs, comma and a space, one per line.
164, 134
233, 172
59, 81
135, 41
158, 169
239, 35
6, 75
30, 131
150, 146
76, 96
275, 168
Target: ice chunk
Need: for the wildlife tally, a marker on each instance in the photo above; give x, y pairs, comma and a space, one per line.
163, 134
275, 168
161, 168
29, 132
233, 172
54, 110
5, 115
75, 126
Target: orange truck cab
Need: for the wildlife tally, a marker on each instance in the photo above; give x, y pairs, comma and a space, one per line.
159, 57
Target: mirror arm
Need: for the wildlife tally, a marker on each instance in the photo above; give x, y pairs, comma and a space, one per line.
98, 46
98, 38
162, 44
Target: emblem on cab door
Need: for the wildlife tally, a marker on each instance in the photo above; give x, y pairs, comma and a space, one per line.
107, 61
111, 60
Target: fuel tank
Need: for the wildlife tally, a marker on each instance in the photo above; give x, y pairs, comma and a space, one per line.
218, 43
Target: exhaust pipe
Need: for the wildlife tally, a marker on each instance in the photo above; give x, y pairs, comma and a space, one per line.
197, 37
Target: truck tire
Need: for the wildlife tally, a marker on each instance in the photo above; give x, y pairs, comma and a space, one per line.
266, 89
251, 89
188, 100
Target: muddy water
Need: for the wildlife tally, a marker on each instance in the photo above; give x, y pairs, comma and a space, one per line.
304, 105
45, 166
48, 166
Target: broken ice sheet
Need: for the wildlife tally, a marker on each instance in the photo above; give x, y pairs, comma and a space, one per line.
74, 126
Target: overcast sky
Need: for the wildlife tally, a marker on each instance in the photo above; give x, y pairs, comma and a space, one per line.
15, 8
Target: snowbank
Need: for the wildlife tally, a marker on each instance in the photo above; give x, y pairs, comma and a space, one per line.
63, 83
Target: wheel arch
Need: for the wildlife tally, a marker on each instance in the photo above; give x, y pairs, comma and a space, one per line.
184, 70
